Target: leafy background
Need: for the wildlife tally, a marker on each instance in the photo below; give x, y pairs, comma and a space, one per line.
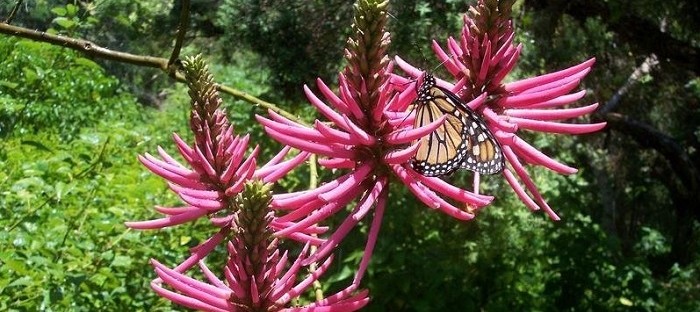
71, 128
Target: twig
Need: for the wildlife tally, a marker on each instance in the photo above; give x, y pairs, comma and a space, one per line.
643, 69
181, 31
13, 12
313, 183
91, 49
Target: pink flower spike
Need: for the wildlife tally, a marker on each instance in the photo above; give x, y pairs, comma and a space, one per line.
211, 205
357, 132
169, 159
172, 210
402, 136
371, 198
485, 62
519, 86
454, 192
186, 151
540, 158
401, 156
528, 99
508, 66
184, 300
349, 101
477, 102
342, 230
171, 173
314, 147
273, 173
336, 163
330, 96
353, 180
300, 198
172, 220
499, 121
551, 114
336, 136
371, 240
186, 281
556, 127
325, 110
203, 194
278, 157
510, 178
408, 68
529, 184
299, 132
449, 62
560, 101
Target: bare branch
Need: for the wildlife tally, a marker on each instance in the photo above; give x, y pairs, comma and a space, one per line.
13, 12
643, 69
181, 31
649, 137
93, 50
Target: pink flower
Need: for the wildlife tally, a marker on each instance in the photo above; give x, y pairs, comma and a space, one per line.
220, 182
257, 275
217, 166
368, 133
479, 62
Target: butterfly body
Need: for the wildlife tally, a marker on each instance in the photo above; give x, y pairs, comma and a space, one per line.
462, 141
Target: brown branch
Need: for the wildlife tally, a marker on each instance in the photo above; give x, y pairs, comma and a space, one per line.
181, 31
84, 46
13, 12
645, 36
93, 50
649, 137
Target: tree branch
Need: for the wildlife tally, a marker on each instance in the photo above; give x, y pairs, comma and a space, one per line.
13, 12
181, 31
643, 35
643, 69
93, 50
649, 137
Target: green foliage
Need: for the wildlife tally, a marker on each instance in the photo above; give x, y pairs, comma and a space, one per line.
69, 177
297, 40
47, 88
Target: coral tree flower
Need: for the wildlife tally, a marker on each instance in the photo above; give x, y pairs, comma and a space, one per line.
255, 274
369, 134
217, 163
479, 62
224, 185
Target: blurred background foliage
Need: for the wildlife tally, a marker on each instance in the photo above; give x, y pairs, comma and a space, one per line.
71, 128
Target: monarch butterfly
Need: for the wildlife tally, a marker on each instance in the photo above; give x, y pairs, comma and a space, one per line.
462, 141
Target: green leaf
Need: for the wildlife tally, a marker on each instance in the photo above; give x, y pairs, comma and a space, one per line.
37, 145
121, 261
87, 63
71, 9
64, 22
8, 84
29, 74
60, 11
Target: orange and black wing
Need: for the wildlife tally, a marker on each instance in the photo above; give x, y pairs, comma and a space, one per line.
462, 141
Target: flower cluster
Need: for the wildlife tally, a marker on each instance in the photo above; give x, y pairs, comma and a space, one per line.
479, 62
368, 134
222, 184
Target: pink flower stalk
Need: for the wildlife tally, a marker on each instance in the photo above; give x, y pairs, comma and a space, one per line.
223, 184
217, 165
479, 62
370, 135
257, 275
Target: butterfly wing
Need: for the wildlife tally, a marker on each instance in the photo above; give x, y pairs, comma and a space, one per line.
441, 152
462, 141
483, 153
